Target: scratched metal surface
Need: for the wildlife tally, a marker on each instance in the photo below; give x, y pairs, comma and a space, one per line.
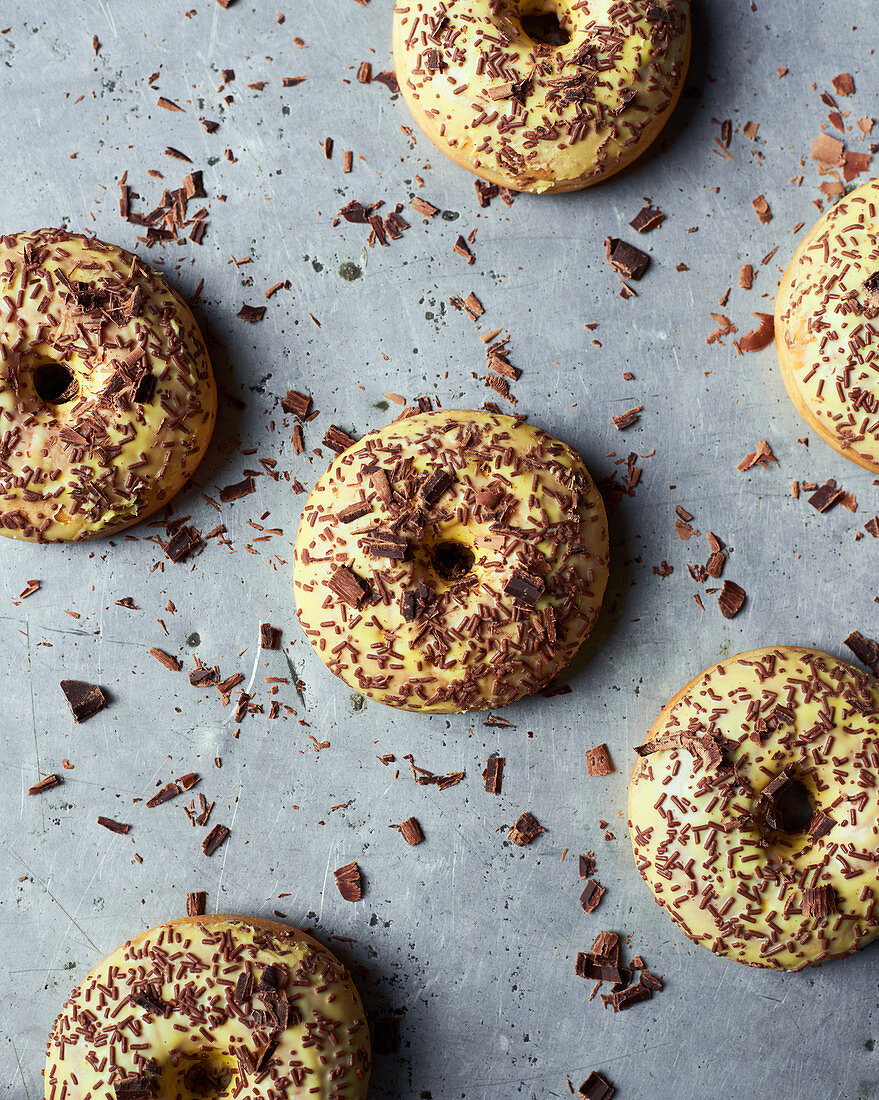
471, 940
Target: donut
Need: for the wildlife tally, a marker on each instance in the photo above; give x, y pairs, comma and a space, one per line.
826, 327
537, 111
753, 811
451, 561
107, 397
219, 1006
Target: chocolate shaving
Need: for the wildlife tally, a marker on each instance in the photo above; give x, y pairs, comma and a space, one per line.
84, 700
349, 882
251, 314
347, 586
410, 830
237, 490
337, 440
819, 902
215, 838
296, 403
760, 337
45, 784
352, 512
627, 419
437, 483
269, 636
170, 662
586, 863
525, 830
113, 826
731, 599
648, 218
819, 825
826, 496
494, 774
761, 206
196, 903
598, 761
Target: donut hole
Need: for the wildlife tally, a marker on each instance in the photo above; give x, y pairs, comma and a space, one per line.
55, 383
544, 27
793, 807
452, 560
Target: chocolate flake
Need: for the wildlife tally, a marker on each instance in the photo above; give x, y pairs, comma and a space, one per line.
410, 831
494, 774
238, 490
596, 1087
337, 440
349, 882
84, 700
347, 586
731, 599
251, 314
170, 662
45, 784
648, 218
525, 588
627, 419
215, 838
182, 543
865, 649
196, 903
598, 761
826, 496
591, 896
525, 830
629, 261
819, 902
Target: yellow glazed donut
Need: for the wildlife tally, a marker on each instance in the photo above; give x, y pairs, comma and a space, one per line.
753, 810
826, 327
532, 116
107, 398
451, 561
220, 1006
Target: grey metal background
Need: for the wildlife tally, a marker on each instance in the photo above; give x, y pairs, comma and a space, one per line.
470, 939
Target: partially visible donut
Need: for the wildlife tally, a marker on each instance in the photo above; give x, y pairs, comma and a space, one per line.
753, 811
532, 116
219, 1006
826, 327
107, 397
451, 561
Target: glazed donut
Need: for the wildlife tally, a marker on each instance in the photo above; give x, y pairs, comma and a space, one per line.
753, 811
451, 561
532, 116
826, 327
218, 1006
107, 398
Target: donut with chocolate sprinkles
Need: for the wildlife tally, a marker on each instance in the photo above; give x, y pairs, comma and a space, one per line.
827, 327
107, 396
499, 563
539, 96
213, 1006
752, 808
